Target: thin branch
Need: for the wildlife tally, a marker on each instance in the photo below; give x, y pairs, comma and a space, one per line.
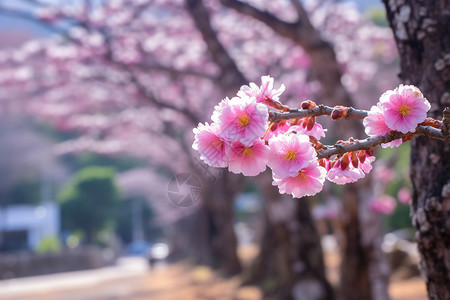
321, 110
231, 77
162, 104
375, 141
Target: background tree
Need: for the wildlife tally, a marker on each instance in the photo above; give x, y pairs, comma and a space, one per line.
88, 202
124, 62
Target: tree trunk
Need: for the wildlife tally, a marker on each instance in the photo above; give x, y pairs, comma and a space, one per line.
363, 263
422, 33
290, 263
207, 236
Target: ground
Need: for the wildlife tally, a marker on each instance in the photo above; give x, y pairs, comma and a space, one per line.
133, 280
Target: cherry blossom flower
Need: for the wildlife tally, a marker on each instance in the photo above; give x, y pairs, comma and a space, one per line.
375, 125
265, 90
248, 160
289, 153
307, 182
404, 108
242, 119
348, 175
384, 205
210, 145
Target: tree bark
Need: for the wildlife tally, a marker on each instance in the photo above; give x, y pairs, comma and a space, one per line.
422, 33
290, 263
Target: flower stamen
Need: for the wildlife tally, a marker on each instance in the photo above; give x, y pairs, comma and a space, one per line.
290, 155
404, 110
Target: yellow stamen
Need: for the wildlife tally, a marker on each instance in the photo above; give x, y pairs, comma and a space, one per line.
244, 120
301, 175
247, 152
290, 155
404, 110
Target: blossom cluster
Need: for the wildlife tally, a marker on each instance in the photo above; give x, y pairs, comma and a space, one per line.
242, 138
401, 109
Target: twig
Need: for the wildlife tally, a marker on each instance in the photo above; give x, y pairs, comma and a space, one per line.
368, 143
320, 110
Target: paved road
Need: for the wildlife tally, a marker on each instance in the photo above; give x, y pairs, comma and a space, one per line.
122, 281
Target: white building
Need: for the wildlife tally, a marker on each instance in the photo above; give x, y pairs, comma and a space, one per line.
24, 226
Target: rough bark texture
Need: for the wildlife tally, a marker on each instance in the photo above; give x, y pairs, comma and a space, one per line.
290, 263
422, 33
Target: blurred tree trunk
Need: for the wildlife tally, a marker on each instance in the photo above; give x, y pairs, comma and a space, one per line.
363, 264
422, 33
207, 236
290, 262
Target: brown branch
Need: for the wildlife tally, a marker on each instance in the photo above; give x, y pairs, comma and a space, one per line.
368, 143
231, 77
321, 110
149, 96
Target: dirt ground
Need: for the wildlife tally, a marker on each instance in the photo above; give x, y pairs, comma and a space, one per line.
182, 281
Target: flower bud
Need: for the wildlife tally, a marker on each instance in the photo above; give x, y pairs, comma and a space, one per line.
308, 104
275, 104
370, 152
339, 112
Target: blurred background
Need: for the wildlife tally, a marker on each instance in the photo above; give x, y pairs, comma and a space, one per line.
102, 196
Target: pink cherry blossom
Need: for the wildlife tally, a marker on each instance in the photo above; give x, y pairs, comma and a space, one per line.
366, 166
210, 145
404, 195
317, 131
248, 160
348, 175
307, 182
242, 119
404, 108
375, 125
265, 90
384, 205
289, 153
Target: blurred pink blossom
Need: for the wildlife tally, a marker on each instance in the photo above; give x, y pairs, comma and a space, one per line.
384, 205
404, 196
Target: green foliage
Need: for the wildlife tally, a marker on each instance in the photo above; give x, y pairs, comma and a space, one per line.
49, 244
88, 202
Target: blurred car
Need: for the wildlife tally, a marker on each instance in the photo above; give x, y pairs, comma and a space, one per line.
139, 248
